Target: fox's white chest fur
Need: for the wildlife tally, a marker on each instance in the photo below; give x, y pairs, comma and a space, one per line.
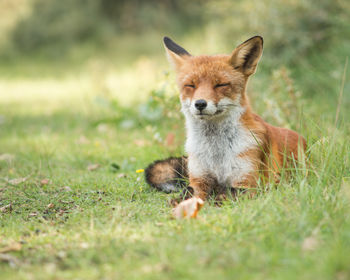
214, 148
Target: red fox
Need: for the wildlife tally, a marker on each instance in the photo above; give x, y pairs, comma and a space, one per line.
229, 147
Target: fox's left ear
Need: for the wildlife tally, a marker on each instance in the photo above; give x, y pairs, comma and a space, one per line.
247, 55
176, 54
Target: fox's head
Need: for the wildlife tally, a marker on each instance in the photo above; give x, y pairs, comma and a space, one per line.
213, 86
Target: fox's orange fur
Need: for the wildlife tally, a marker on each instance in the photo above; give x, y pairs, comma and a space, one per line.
219, 118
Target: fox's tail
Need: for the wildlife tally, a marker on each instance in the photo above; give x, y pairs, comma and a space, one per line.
168, 175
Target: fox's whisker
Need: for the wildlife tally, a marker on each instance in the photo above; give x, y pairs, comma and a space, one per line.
228, 105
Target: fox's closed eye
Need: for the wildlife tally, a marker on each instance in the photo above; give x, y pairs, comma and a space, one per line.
222, 85
190, 86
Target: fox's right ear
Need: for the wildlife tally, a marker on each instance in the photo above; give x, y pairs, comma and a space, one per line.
176, 54
247, 55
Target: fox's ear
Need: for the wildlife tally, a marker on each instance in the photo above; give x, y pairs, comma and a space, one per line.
247, 55
176, 54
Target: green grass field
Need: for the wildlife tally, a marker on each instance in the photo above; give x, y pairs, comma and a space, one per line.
74, 130
59, 219
87, 99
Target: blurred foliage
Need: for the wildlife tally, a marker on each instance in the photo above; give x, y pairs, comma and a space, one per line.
56, 23
161, 106
292, 28
62, 23
138, 15
311, 39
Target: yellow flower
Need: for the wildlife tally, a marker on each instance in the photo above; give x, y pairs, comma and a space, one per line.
97, 144
140, 170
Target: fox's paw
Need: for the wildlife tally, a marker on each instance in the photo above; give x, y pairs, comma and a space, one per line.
188, 208
220, 198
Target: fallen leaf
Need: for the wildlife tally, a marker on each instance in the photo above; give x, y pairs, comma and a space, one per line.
188, 208
92, 167
67, 188
61, 212
44, 182
6, 208
17, 181
13, 247
50, 206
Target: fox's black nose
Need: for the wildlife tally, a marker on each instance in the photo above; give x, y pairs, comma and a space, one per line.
200, 104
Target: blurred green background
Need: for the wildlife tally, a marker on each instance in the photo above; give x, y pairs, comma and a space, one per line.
114, 48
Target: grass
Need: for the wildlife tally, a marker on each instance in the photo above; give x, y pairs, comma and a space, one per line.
108, 224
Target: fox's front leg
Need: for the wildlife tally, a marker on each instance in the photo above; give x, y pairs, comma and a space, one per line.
248, 186
202, 186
